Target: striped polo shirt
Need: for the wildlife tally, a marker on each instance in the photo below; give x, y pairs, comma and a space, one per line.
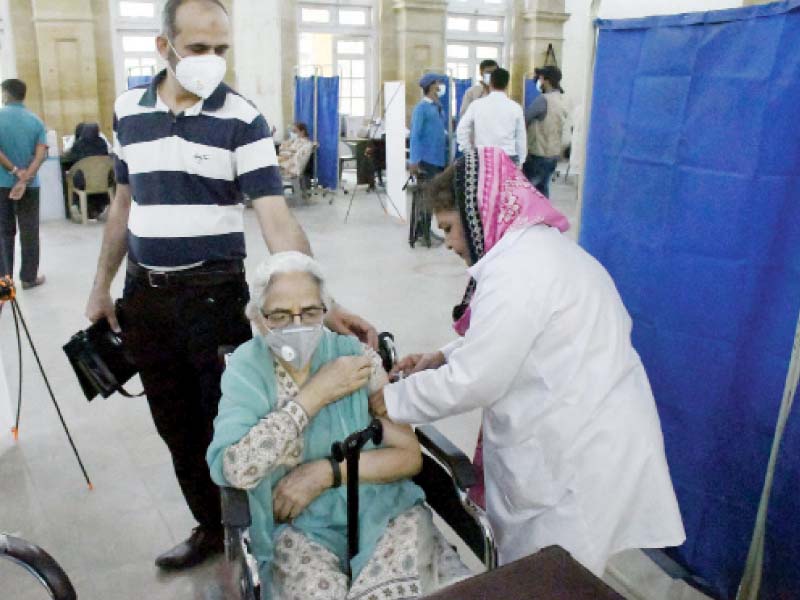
188, 174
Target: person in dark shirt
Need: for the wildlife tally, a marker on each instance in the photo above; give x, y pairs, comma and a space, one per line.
87, 143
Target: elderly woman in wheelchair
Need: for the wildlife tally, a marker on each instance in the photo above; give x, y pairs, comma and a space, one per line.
287, 395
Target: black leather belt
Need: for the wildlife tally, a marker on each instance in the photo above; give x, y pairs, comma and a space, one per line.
214, 273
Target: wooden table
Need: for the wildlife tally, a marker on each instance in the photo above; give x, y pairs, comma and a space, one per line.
551, 574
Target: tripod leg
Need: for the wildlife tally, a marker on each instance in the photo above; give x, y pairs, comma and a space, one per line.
15, 429
50, 390
350, 206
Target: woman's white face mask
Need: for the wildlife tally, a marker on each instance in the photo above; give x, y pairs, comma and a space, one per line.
199, 75
442, 90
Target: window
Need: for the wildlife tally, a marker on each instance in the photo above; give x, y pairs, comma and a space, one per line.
315, 15
353, 17
138, 43
137, 9
339, 44
135, 25
476, 31
458, 24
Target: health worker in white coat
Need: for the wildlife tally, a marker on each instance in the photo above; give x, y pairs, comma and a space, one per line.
572, 451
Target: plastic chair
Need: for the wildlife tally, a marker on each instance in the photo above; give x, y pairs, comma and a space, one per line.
96, 171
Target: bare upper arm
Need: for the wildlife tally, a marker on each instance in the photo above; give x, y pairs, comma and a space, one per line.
397, 435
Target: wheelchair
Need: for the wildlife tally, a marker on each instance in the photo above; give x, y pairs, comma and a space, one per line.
446, 478
39, 564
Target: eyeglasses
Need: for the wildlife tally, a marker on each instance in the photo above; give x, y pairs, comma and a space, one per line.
310, 315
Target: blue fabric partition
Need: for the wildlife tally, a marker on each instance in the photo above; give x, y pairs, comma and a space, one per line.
304, 102
445, 100
692, 202
462, 85
138, 80
326, 128
328, 132
531, 91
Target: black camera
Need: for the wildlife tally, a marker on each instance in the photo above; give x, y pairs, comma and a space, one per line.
100, 361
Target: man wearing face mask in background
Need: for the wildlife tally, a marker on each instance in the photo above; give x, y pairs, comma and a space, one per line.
495, 121
480, 89
428, 143
545, 119
187, 149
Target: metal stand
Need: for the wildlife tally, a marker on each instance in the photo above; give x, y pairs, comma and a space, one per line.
350, 450
19, 319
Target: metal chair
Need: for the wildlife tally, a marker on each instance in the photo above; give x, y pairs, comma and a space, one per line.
446, 477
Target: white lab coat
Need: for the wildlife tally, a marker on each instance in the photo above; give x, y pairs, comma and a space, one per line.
573, 449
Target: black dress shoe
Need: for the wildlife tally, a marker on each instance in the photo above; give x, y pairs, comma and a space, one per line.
202, 544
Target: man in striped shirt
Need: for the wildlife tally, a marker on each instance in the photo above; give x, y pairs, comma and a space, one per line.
188, 148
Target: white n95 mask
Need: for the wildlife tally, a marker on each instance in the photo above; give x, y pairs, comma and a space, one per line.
200, 75
294, 344
487, 78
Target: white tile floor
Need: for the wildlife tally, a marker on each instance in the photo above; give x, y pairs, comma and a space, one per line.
106, 539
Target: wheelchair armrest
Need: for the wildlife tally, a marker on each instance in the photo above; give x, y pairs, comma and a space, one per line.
449, 455
235, 508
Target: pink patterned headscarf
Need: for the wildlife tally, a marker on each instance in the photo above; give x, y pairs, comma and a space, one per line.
494, 198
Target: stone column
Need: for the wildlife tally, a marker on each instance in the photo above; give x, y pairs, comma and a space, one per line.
106, 81
260, 54
26, 52
67, 62
536, 25
421, 26
290, 53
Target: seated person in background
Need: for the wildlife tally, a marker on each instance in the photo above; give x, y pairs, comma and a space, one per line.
295, 153
87, 143
287, 395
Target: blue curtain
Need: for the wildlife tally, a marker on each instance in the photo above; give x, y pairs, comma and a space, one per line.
139, 80
462, 85
304, 102
531, 92
328, 132
445, 100
692, 202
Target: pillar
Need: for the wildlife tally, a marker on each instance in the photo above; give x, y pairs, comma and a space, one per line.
420, 43
67, 62
260, 53
536, 25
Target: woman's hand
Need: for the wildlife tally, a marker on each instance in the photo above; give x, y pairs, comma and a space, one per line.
334, 380
299, 488
414, 363
346, 323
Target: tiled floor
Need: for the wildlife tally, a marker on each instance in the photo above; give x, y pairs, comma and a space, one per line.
106, 539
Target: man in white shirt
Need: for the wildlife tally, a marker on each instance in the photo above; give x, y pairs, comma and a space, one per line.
495, 120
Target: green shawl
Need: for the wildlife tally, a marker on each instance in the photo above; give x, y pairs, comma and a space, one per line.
249, 393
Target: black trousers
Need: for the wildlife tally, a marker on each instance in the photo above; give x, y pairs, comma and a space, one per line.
24, 212
173, 335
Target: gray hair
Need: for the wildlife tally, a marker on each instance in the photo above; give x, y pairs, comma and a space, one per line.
169, 27
282, 262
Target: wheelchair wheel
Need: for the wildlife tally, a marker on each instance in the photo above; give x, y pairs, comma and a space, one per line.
39, 564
